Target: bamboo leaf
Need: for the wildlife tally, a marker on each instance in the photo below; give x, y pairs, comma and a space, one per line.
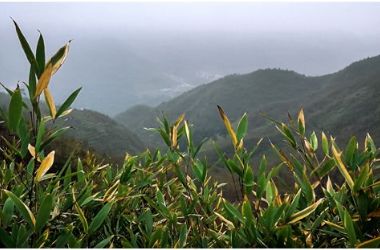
104, 242
23, 209
342, 168
15, 110
40, 54
362, 178
325, 144
46, 164
99, 218
372, 243
228, 126
314, 141
301, 122
349, 227
43, 214
59, 58
7, 211
67, 103
242, 127
43, 81
50, 102
182, 236
81, 215
248, 179
25, 46
304, 213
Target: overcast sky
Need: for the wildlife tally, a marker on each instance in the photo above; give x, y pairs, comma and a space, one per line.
358, 18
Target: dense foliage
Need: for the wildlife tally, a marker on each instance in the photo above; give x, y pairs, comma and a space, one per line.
168, 199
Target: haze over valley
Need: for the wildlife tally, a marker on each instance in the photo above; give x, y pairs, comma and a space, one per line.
127, 54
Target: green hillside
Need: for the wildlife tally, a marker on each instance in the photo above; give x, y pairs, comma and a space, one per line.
338, 103
95, 131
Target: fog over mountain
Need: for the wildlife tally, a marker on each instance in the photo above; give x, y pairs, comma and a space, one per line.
125, 54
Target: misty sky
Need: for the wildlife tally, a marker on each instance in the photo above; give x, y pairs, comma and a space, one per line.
166, 47
356, 18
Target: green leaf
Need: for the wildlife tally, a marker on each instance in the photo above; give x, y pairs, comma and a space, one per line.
23, 209
232, 211
324, 169
182, 236
80, 174
200, 170
15, 110
362, 178
304, 213
370, 145
99, 218
104, 242
40, 54
314, 141
235, 167
43, 214
54, 135
285, 131
294, 204
27, 50
242, 127
248, 179
68, 102
350, 151
349, 227
7, 212
325, 144
6, 239
32, 84
10, 92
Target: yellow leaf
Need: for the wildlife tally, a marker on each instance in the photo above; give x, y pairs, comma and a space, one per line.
333, 225
179, 120
174, 137
301, 119
174, 131
110, 193
342, 168
187, 131
228, 125
59, 62
50, 102
44, 80
45, 166
229, 224
372, 243
32, 150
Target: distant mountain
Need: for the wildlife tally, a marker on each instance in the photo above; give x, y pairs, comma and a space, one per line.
344, 103
101, 133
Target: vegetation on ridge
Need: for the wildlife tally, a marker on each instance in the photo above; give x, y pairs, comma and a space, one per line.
167, 198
